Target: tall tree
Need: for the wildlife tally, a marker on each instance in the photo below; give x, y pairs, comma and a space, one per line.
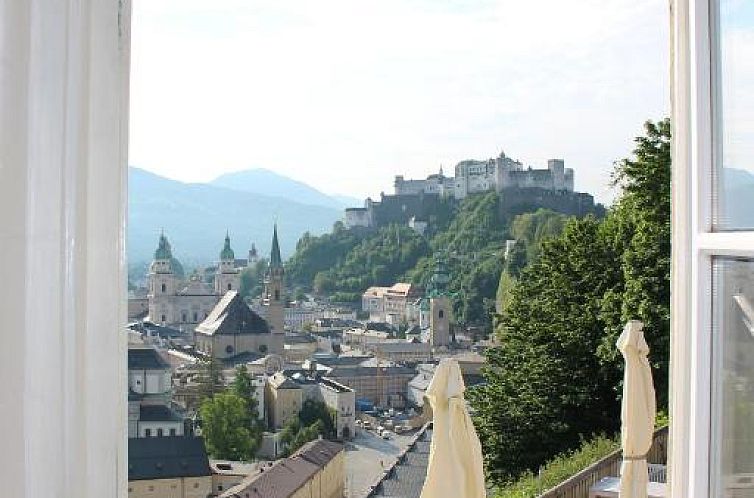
225, 427
210, 378
243, 387
555, 378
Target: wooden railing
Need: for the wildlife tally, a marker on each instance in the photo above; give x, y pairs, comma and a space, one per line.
578, 486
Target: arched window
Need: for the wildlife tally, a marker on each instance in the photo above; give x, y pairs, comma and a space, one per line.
196, 316
163, 318
441, 314
164, 288
230, 287
183, 317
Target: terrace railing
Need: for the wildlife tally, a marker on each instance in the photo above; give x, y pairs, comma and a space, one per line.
578, 486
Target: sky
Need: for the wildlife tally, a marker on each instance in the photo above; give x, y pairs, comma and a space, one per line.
346, 94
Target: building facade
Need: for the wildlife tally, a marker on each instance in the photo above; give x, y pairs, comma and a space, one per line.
390, 304
149, 396
171, 301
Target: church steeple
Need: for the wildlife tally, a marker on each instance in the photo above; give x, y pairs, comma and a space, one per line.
274, 297
227, 253
275, 259
163, 250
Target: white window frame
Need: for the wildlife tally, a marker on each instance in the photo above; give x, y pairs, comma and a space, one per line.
695, 244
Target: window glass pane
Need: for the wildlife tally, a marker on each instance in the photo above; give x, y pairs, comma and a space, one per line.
734, 113
732, 448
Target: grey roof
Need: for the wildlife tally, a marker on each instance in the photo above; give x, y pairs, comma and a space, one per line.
369, 371
145, 359
232, 316
166, 458
158, 413
286, 476
153, 328
319, 452
342, 361
299, 339
406, 478
402, 347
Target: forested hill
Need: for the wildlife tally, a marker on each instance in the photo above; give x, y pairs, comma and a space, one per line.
345, 262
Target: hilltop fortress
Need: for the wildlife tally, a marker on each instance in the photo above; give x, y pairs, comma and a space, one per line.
521, 188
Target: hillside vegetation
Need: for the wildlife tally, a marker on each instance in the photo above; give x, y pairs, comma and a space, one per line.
472, 235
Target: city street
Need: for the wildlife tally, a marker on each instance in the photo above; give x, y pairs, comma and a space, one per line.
367, 455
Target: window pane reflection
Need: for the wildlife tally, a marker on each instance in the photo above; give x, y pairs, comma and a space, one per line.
732, 473
734, 130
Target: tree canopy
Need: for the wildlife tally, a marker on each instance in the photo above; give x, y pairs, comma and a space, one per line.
555, 377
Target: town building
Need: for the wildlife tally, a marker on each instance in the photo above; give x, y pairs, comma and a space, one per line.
184, 304
168, 467
316, 470
232, 329
361, 338
299, 347
383, 386
389, 304
337, 397
149, 396
401, 351
283, 400
226, 474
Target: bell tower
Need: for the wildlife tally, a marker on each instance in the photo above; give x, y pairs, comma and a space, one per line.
227, 276
274, 299
440, 305
162, 283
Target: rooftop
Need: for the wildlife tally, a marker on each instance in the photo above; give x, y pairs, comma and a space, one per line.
166, 458
158, 413
286, 476
369, 371
406, 478
232, 316
145, 358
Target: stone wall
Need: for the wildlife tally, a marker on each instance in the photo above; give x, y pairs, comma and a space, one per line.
516, 201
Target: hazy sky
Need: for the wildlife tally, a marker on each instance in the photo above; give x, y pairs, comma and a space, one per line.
345, 94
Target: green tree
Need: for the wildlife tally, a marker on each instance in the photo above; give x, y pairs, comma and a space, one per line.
544, 384
209, 378
555, 377
243, 387
252, 279
225, 427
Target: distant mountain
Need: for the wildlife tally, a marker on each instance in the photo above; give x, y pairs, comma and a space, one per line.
266, 182
737, 198
348, 201
195, 217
